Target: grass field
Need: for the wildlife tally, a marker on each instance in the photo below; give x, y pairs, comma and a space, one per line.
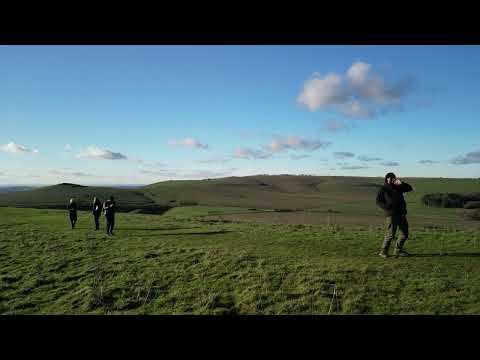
189, 261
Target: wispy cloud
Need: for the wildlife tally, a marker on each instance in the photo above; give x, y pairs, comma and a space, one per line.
213, 161
69, 173
336, 126
13, 148
294, 143
246, 153
469, 158
94, 152
141, 161
390, 163
343, 154
369, 158
299, 157
68, 147
353, 167
189, 143
427, 162
360, 93
356, 109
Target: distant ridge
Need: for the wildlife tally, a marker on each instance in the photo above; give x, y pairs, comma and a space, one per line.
71, 185
57, 197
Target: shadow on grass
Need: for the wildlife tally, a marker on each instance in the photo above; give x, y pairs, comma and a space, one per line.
199, 233
159, 229
458, 254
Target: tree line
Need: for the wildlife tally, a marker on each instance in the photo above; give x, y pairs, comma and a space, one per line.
451, 200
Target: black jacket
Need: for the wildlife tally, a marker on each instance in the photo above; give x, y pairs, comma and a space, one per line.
72, 207
390, 198
109, 208
97, 204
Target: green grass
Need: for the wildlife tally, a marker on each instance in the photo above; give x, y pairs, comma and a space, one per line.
184, 262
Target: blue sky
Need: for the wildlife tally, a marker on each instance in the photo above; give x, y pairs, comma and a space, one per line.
141, 114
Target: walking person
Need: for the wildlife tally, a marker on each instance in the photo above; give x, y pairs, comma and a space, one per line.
72, 210
109, 208
390, 199
96, 210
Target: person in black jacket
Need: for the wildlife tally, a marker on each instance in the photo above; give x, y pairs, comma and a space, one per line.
109, 208
72, 210
390, 199
96, 210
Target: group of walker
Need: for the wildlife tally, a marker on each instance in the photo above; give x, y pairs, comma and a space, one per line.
109, 209
389, 198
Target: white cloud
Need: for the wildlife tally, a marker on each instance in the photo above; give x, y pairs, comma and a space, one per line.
343, 154
320, 93
94, 152
358, 72
246, 153
360, 93
189, 143
469, 158
368, 85
294, 143
68, 147
13, 148
390, 163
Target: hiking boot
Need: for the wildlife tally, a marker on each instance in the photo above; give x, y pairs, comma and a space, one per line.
383, 254
402, 253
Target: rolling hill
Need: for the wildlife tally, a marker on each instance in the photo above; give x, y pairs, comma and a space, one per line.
295, 192
57, 197
281, 192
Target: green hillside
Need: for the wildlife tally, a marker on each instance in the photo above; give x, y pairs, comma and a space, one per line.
57, 197
270, 192
344, 195
296, 192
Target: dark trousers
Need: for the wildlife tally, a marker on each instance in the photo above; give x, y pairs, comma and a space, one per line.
392, 223
73, 219
110, 224
96, 216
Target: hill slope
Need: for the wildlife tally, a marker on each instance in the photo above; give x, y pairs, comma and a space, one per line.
295, 192
276, 191
355, 195
57, 197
